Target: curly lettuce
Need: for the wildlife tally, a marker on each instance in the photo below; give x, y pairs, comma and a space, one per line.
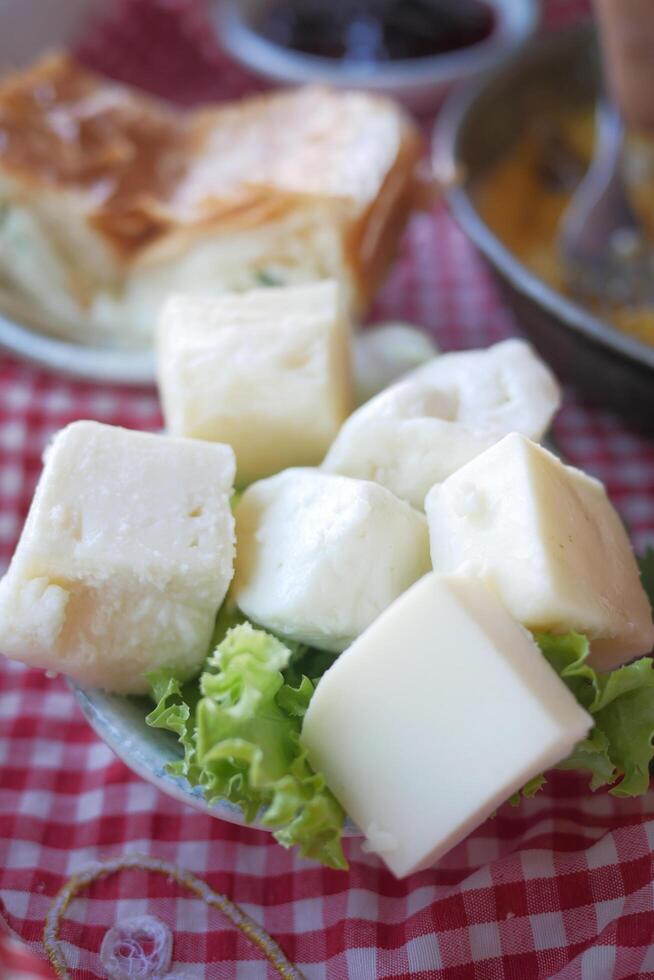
618, 750
240, 731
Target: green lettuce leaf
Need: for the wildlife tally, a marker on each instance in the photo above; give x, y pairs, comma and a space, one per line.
241, 739
175, 712
528, 790
646, 566
618, 750
307, 662
592, 755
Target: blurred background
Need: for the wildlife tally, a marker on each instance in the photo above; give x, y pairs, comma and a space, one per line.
30, 26
508, 94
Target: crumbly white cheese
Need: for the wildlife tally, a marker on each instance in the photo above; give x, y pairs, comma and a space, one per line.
436, 419
440, 711
548, 540
125, 557
267, 372
320, 556
386, 352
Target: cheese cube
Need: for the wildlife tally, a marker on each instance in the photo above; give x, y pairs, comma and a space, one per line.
267, 372
546, 537
440, 711
440, 416
319, 556
386, 352
125, 557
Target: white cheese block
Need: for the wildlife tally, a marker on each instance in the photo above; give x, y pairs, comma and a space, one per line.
440, 416
386, 352
267, 372
125, 557
548, 540
320, 556
440, 711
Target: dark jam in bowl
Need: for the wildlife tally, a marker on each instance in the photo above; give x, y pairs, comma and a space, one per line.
375, 30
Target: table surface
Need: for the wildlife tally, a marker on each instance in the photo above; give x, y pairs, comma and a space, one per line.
559, 887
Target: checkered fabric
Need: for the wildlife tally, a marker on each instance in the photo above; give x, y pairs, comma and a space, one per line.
559, 887
18, 963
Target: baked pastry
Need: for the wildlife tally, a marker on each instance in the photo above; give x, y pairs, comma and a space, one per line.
111, 200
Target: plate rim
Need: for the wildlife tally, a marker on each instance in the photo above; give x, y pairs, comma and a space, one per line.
93, 704
109, 365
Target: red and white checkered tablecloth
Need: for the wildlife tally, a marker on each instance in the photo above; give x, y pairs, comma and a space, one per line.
560, 887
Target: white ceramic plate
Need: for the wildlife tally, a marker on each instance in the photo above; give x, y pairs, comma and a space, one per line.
120, 722
381, 354
90, 363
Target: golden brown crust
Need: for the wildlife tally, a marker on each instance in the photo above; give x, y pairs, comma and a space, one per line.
373, 241
62, 126
144, 171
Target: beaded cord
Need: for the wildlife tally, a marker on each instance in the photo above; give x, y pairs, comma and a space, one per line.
78, 882
139, 948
